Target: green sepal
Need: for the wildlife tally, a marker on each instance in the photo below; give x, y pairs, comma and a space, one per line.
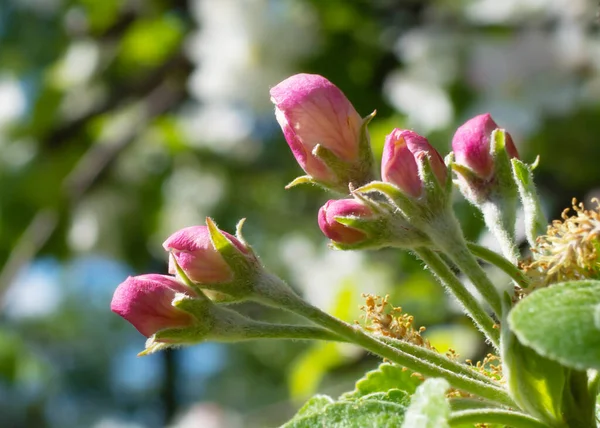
505, 188
304, 179
187, 281
387, 231
199, 308
365, 154
341, 189
475, 189
387, 189
171, 337
371, 227
377, 207
153, 346
348, 175
465, 171
502, 164
535, 221
405, 203
239, 235
331, 160
214, 292
436, 195
239, 262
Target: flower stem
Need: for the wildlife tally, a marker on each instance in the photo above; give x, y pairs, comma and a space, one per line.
497, 260
447, 235
263, 330
286, 299
437, 359
494, 416
449, 280
499, 217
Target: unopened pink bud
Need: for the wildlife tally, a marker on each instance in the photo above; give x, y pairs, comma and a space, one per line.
146, 302
399, 162
471, 145
339, 232
311, 110
195, 254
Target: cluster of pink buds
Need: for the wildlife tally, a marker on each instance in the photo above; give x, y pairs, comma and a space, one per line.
172, 310
325, 134
331, 143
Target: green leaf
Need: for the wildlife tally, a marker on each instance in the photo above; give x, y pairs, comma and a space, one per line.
393, 395
314, 405
429, 407
561, 323
383, 379
536, 382
148, 42
101, 15
351, 414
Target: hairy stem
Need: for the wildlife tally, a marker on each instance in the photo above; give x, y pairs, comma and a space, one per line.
502, 263
449, 280
285, 298
447, 235
494, 416
500, 219
437, 359
263, 330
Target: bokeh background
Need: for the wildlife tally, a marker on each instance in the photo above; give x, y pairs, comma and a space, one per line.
124, 120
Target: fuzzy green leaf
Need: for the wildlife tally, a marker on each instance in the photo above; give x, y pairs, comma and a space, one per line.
375, 413
561, 322
314, 406
393, 396
429, 407
383, 379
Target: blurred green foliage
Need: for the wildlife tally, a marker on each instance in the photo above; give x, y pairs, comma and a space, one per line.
109, 142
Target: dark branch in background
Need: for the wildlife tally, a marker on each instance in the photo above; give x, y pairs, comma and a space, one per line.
119, 95
99, 156
84, 175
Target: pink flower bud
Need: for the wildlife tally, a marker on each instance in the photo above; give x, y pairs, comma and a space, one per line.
339, 232
311, 110
146, 302
399, 162
195, 254
471, 145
